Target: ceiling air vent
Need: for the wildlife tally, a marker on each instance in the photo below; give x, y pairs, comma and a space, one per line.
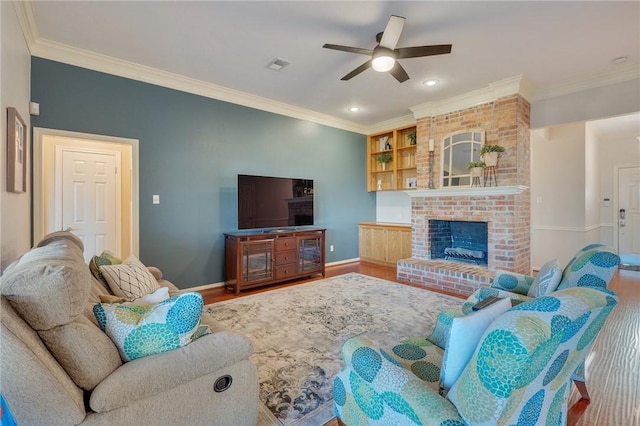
277, 64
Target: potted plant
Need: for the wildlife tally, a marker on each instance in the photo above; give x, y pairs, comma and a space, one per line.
411, 137
476, 168
489, 154
384, 159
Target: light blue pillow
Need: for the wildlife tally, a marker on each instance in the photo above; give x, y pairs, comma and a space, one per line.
464, 336
547, 279
143, 330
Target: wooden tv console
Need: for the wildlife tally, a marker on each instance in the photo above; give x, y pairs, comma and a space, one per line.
258, 258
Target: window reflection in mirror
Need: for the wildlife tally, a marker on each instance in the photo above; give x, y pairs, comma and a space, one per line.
459, 149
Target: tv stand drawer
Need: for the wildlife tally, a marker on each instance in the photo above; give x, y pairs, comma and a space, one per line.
286, 243
285, 271
285, 257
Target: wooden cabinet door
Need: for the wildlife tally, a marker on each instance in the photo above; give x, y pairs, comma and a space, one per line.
366, 242
256, 262
378, 243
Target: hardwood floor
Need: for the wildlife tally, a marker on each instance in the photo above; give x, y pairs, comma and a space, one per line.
613, 365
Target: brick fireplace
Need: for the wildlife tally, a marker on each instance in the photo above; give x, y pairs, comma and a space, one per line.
505, 209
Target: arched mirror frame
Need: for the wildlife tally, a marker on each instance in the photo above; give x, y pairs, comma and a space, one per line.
458, 150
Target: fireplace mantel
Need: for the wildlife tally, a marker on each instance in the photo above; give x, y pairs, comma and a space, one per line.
481, 191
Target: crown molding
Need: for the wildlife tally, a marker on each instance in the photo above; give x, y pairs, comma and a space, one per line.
85, 59
27, 22
518, 85
405, 120
624, 72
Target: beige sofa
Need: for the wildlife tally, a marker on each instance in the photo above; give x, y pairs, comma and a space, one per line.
59, 367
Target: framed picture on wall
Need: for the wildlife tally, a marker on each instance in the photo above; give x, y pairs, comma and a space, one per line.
16, 152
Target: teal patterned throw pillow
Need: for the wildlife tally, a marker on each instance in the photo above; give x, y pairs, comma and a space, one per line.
547, 279
145, 330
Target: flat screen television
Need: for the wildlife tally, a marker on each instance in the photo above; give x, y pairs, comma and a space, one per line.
274, 202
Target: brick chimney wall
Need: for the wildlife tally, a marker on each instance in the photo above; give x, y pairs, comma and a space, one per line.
506, 123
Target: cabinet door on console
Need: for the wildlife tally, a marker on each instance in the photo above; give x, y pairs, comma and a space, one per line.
309, 254
257, 259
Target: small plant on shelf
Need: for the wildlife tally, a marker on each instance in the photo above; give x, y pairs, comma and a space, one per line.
412, 137
384, 159
490, 153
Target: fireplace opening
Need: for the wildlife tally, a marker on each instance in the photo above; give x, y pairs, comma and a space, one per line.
459, 241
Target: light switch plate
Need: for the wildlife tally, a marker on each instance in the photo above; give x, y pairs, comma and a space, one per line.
156, 199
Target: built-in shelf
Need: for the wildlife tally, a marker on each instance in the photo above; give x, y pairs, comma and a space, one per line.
452, 192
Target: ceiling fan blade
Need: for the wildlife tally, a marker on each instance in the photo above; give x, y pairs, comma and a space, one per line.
391, 33
399, 73
357, 71
349, 49
415, 52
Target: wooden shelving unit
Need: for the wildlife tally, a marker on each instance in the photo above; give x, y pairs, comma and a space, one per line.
400, 173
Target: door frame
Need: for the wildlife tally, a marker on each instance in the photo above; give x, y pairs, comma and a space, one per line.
39, 202
616, 201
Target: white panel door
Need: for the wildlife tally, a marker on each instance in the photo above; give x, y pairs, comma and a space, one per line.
629, 215
89, 202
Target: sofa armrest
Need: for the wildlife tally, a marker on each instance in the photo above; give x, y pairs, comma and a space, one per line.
144, 377
394, 393
512, 282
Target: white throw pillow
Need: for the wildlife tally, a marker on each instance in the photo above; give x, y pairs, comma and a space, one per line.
130, 279
547, 279
464, 336
157, 296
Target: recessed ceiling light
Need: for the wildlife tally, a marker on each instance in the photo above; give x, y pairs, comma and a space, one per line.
430, 82
619, 59
354, 109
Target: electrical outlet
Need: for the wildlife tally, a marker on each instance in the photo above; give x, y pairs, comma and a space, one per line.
331, 247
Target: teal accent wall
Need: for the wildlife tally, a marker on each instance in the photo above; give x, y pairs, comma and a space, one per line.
191, 150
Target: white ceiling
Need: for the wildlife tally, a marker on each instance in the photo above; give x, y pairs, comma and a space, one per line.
554, 44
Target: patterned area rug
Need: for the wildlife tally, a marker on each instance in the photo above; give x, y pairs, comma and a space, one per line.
297, 333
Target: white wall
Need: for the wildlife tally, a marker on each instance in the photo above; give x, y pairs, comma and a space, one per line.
558, 182
591, 178
393, 207
613, 151
15, 76
573, 183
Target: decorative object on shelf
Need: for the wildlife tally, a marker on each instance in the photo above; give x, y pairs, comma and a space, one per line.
411, 137
490, 154
432, 148
383, 142
384, 159
379, 186
16, 152
387, 146
412, 182
476, 168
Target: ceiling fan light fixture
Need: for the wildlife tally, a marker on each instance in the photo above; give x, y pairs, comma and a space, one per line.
383, 60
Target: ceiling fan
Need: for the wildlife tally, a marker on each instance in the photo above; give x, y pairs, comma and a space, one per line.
385, 55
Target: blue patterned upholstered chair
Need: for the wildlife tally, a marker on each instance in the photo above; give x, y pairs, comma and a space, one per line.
519, 373
593, 266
